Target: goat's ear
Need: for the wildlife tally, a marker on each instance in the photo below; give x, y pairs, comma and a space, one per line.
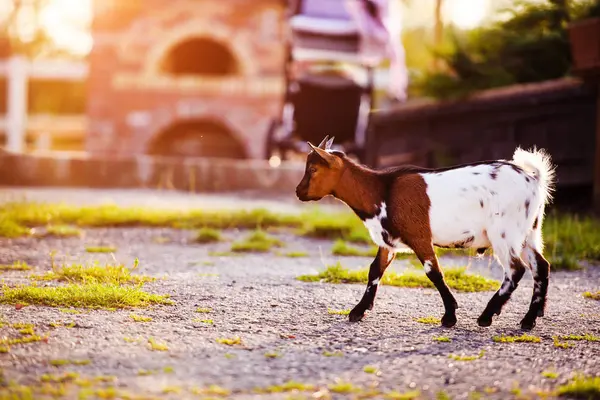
323, 144
329, 143
328, 158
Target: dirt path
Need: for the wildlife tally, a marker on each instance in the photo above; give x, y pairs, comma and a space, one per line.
257, 298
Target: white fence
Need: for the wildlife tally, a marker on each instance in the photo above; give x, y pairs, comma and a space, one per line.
18, 71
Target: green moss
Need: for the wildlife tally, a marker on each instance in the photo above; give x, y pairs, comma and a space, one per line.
68, 311
171, 389
272, 354
140, 318
559, 344
288, 386
586, 337
441, 395
203, 310
100, 249
593, 296
342, 248
92, 295
550, 374
442, 339
96, 273
296, 254
336, 353
515, 339
581, 387
429, 320
343, 387
456, 278
203, 321
168, 370
338, 312
62, 362
229, 342
212, 390
466, 358
257, 241
16, 266
154, 345
63, 231
207, 235
394, 395
370, 369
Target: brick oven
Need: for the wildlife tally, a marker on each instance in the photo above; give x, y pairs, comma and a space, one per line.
184, 77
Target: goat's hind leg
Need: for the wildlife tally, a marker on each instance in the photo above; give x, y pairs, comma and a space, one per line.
540, 269
383, 258
512, 277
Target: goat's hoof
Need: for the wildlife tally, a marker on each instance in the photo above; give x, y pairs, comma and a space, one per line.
527, 324
484, 321
448, 320
356, 315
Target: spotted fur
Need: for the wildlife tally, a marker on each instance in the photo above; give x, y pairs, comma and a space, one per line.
494, 204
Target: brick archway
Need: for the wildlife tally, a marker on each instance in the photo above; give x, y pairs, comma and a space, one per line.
200, 56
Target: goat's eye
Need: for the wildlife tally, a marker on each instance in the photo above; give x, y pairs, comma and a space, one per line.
312, 170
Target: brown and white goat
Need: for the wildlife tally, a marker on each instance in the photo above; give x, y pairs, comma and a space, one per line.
498, 204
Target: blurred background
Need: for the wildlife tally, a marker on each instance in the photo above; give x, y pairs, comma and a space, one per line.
203, 78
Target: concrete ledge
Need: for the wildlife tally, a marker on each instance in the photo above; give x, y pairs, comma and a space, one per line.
196, 175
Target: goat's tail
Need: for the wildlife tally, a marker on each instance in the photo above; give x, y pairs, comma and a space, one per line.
538, 163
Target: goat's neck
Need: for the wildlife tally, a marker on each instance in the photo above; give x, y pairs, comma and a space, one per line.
361, 189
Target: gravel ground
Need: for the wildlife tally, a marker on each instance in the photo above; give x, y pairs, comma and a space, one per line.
257, 298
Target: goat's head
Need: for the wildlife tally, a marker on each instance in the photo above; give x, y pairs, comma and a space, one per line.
322, 173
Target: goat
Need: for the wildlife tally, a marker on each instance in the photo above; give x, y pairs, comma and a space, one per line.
498, 204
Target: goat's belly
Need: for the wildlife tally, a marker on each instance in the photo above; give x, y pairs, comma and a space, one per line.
466, 236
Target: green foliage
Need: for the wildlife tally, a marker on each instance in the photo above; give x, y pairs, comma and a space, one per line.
207, 235
529, 43
257, 241
581, 387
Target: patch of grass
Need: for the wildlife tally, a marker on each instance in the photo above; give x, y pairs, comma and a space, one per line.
229, 356
442, 339
394, 395
212, 390
336, 353
338, 312
154, 345
586, 337
581, 387
146, 372
207, 235
343, 387
63, 231
16, 266
96, 273
203, 321
171, 389
429, 320
288, 386
457, 278
66, 377
370, 369
203, 310
550, 374
441, 395
569, 239
295, 254
140, 318
515, 339
593, 296
100, 249
272, 354
258, 241
61, 362
91, 295
342, 248
229, 342
168, 369
68, 311
466, 358
559, 344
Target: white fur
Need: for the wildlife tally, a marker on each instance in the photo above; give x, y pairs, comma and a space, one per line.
456, 196
375, 281
375, 229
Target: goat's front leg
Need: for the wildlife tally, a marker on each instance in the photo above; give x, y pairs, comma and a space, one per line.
383, 258
427, 256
